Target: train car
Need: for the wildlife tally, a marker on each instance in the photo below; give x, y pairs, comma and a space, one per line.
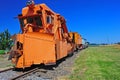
44, 37
77, 40
84, 43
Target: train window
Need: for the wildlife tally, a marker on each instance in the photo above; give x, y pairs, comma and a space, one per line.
29, 20
38, 21
32, 20
49, 19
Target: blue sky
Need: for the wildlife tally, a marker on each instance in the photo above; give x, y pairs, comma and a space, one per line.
96, 20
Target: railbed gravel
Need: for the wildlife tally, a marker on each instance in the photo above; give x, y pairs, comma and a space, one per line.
7, 75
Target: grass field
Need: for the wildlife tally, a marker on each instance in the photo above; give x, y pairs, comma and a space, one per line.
97, 63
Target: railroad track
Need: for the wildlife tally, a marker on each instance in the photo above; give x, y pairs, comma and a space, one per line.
9, 74
6, 70
40, 72
25, 74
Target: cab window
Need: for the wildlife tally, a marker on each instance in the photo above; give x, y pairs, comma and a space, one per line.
38, 21
32, 20
29, 20
49, 20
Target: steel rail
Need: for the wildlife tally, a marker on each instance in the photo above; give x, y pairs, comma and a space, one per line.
26, 73
6, 70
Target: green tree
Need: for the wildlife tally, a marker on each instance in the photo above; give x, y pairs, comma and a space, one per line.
5, 42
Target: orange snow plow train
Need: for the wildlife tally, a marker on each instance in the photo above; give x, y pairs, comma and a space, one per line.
44, 38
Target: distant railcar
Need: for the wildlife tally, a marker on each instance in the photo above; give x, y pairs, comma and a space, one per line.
77, 40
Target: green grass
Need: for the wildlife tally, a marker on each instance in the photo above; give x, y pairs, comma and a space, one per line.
2, 51
97, 63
